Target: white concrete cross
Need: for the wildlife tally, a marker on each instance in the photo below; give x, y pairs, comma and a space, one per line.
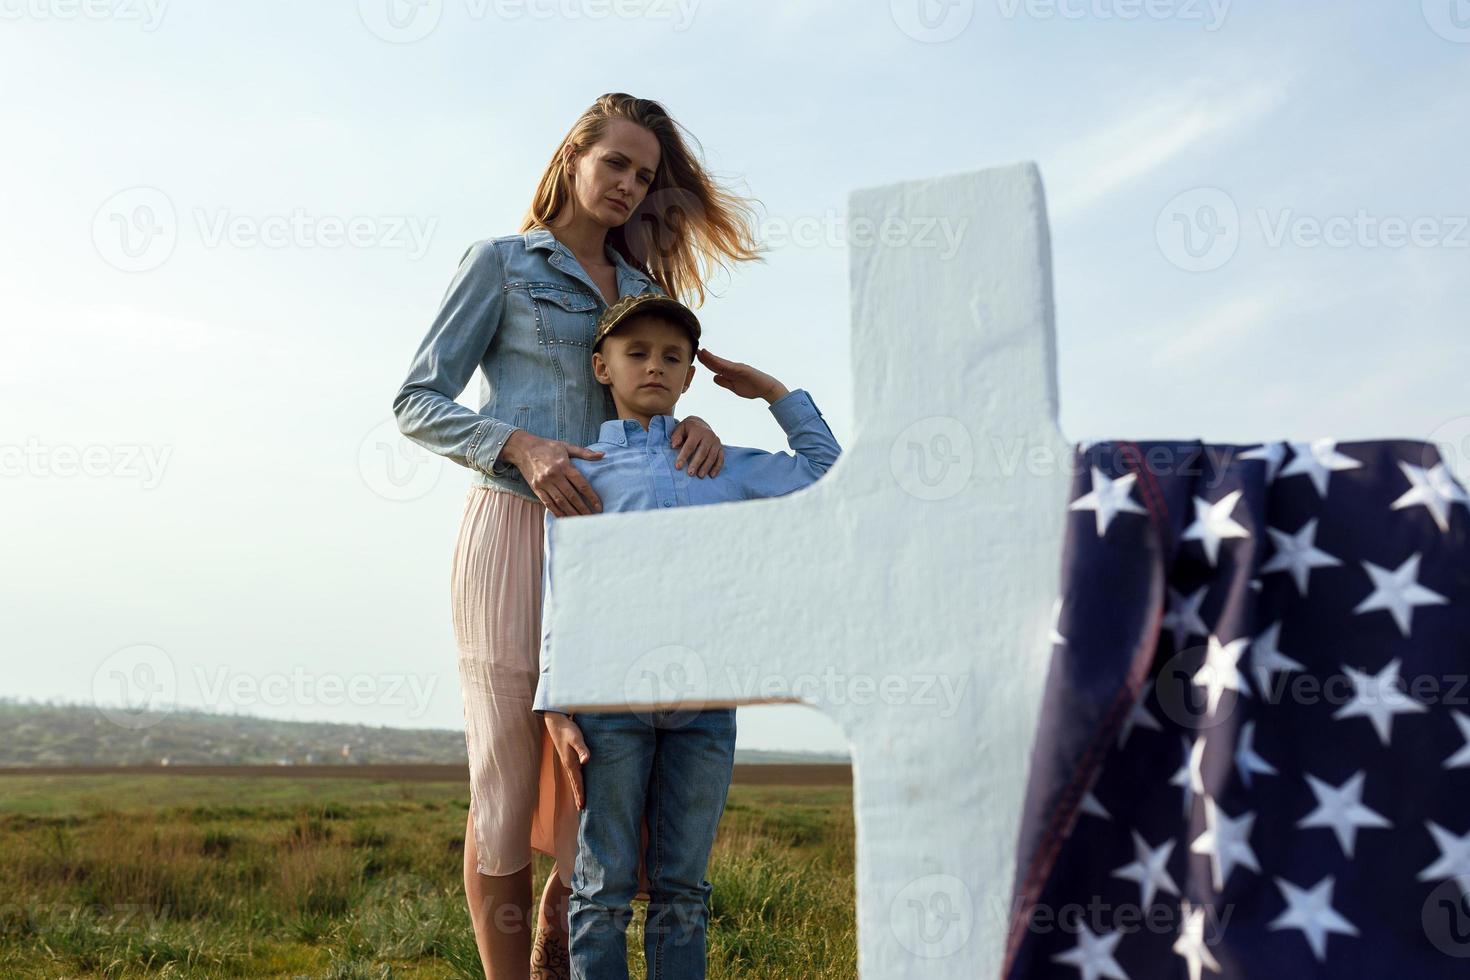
907, 593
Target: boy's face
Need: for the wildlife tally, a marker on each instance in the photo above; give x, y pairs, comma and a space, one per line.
648, 363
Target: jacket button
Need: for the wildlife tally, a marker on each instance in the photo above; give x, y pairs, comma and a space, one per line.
668, 503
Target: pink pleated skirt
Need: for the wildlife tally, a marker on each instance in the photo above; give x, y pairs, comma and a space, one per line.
520, 799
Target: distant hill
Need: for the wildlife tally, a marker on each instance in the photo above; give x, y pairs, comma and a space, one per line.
42, 734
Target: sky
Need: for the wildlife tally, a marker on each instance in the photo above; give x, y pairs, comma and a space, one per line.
226, 228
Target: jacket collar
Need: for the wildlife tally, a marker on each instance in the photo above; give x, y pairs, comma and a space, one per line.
625, 432
541, 238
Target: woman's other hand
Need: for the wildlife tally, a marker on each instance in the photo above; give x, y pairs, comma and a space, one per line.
570, 749
546, 465
701, 448
744, 380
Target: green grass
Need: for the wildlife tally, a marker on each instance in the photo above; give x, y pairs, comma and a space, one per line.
169, 876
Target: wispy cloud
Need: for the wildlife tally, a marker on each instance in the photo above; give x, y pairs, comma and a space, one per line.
1146, 138
1227, 326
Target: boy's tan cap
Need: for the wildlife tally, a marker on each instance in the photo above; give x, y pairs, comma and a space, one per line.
641, 303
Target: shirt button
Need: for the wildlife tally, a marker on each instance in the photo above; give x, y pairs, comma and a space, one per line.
668, 503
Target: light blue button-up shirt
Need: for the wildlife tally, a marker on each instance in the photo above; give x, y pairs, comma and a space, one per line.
637, 472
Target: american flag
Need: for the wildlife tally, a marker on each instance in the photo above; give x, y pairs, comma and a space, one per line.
1253, 759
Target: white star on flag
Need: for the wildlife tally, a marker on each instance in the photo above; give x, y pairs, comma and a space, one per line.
1220, 672
1342, 809
1461, 759
1191, 942
1227, 841
1267, 660
1377, 697
1453, 861
1318, 460
1310, 910
1183, 616
1108, 498
1399, 592
1139, 716
1435, 490
1150, 868
1213, 523
1274, 453
1190, 776
1092, 807
1093, 955
1246, 759
1298, 553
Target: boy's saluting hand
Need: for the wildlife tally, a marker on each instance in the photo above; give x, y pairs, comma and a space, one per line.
744, 380
571, 750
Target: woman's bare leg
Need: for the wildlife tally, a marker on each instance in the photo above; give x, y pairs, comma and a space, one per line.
549, 958
500, 911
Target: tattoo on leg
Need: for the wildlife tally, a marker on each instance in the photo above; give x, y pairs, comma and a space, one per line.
549, 960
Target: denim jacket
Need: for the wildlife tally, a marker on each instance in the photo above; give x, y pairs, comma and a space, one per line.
523, 310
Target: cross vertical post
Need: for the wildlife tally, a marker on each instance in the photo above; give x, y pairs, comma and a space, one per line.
907, 594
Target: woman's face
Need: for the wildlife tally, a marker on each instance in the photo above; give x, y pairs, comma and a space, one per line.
611, 177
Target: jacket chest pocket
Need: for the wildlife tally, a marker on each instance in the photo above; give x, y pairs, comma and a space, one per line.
565, 316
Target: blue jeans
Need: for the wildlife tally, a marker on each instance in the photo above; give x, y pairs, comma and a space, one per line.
675, 768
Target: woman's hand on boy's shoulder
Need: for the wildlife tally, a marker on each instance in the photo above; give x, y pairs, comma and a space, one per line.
546, 466
571, 750
699, 448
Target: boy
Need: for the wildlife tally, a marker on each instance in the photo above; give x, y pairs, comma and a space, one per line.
672, 766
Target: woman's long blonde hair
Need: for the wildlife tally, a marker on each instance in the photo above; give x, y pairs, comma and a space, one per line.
685, 226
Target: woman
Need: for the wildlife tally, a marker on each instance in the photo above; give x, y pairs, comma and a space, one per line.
622, 208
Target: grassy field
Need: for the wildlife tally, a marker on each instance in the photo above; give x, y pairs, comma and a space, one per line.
168, 876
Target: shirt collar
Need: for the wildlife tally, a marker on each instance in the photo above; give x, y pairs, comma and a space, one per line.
541, 238
629, 432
